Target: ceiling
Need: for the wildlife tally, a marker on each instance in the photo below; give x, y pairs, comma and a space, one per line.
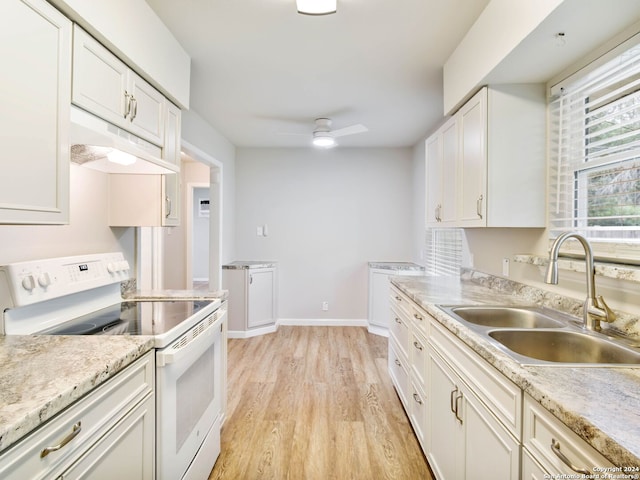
262, 72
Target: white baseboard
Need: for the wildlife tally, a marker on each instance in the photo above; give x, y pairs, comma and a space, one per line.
324, 322
376, 330
254, 332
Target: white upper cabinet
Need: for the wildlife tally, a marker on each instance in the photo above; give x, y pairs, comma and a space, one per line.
171, 153
105, 86
486, 165
35, 91
442, 159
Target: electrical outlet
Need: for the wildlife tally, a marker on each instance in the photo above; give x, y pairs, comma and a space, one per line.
505, 267
325, 306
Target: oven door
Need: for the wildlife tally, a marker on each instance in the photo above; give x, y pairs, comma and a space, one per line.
188, 397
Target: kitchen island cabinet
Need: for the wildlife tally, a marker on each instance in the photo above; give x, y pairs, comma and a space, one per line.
35, 99
379, 274
567, 404
100, 411
251, 289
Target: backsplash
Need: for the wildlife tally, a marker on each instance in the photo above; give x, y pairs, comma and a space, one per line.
625, 324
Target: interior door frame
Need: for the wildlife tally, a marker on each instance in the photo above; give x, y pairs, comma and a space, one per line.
215, 218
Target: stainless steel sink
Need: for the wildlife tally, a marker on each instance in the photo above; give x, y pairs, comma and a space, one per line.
505, 317
565, 347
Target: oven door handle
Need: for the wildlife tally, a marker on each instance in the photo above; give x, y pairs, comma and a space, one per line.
189, 345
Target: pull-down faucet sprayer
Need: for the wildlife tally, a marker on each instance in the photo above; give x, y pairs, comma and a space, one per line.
595, 308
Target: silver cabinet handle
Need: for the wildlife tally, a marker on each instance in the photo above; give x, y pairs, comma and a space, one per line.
417, 398
451, 399
479, 205
397, 362
458, 417
555, 446
398, 298
168, 203
417, 345
438, 212
134, 112
250, 279
127, 104
417, 317
398, 321
74, 433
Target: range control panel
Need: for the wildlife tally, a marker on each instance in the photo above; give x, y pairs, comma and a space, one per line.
26, 283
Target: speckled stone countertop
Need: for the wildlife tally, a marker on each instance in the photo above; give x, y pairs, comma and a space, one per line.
600, 404
42, 375
396, 266
242, 264
175, 295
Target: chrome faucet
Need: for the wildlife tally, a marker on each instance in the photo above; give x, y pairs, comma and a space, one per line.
595, 308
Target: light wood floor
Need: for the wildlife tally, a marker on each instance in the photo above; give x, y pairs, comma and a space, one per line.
315, 403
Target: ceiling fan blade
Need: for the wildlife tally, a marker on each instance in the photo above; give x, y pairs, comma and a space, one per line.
351, 130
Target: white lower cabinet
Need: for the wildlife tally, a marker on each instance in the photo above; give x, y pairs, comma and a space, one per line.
109, 433
556, 449
472, 421
465, 439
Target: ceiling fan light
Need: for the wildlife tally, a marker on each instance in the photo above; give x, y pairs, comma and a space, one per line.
316, 7
324, 141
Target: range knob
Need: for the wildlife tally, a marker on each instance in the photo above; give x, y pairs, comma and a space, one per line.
29, 283
44, 280
111, 268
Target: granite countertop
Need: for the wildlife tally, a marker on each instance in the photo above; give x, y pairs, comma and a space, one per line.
244, 264
176, 295
42, 375
396, 266
600, 404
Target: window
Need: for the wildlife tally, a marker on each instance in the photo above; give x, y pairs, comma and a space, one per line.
443, 251
594, 134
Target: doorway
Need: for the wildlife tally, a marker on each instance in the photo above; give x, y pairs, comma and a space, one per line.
192, 251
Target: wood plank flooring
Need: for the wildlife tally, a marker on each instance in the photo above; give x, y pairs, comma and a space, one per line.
309, 403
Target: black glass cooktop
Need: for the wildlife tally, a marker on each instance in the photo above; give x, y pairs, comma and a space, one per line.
131, 318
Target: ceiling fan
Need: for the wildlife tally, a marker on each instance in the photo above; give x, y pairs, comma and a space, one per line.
324, 137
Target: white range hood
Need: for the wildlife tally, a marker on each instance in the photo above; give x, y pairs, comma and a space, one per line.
102, 146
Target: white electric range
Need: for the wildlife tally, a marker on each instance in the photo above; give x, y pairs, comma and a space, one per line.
81, 295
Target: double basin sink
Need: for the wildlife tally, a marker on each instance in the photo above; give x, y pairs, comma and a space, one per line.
539, 336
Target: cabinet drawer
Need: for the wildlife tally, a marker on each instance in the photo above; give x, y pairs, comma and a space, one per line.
88, 419
541, 431
398, 370
400, 301
418, 413
501, 396
419, 358
399, 331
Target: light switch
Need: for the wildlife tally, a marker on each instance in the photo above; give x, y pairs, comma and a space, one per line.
259, 231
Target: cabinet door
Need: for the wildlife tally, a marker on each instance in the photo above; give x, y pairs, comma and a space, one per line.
433, 170
473, 162
379, 306
489, 450
35, 93
147, 110
449, 171
260, 309
171, 153
99, 80
127, 451
444, 429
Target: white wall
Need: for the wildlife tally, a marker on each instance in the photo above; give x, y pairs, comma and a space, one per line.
328, 213
87, 231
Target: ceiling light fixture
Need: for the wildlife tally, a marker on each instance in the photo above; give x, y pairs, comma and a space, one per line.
324, 140
316, 7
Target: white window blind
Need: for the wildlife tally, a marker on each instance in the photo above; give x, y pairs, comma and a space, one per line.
443, 248
594, 154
